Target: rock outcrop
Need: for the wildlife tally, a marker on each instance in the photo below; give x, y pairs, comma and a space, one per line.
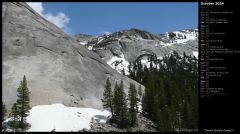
57, 68
143, 125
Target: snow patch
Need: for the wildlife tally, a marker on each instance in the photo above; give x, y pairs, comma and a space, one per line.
119, 63
195, 53
62, 118
90, 47
100, 40
181, 37
83, 43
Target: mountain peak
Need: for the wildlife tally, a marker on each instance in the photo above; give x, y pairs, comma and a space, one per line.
135, 33
134, 30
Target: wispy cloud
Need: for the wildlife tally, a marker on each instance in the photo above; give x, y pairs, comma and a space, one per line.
60, 19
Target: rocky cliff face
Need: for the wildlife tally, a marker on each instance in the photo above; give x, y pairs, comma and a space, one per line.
120, 48
57, 68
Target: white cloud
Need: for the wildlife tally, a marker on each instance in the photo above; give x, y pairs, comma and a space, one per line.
106, 32
37, 6
60, 19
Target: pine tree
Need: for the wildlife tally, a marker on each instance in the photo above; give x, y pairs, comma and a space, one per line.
139, 98
131, 74
120, 106
23, 102
140, 92
133, 104
157, 115
171, 36
116, 109
4, 111
108, 97
151, 66
123, 71
14, 114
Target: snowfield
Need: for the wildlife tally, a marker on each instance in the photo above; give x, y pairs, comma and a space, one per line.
83, 43
62, 118
189, 36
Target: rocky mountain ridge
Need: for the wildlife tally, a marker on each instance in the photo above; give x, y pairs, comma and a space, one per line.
122, 47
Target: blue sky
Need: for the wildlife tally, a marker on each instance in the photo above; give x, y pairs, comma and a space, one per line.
97, 18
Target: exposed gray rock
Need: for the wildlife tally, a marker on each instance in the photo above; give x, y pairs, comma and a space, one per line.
135, 43
83, 38
143, 125
57, 68
122, 47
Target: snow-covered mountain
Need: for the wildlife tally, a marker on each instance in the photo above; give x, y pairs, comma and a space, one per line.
122, 47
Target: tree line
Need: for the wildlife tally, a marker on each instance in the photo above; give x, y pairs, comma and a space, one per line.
171, 91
